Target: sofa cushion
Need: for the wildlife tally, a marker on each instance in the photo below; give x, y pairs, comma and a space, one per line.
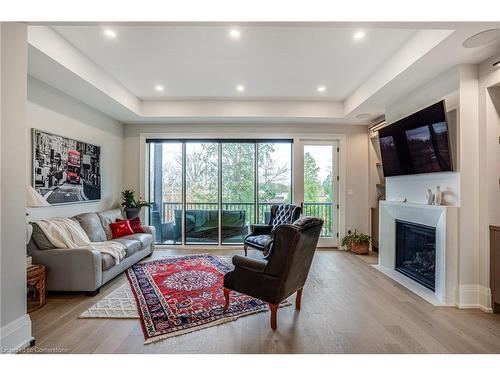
133, 246
108, 217
145, 238
135, 224
41, 241
121, 229
91, 224
107, 261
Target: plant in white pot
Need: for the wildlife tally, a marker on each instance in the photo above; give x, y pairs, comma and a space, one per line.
358, 243
131, 205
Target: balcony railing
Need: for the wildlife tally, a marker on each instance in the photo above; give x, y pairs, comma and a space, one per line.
321, 210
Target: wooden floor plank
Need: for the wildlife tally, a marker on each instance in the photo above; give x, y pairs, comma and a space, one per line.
347, 307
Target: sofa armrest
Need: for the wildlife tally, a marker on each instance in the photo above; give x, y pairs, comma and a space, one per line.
249, 264
258, 229
77, 269
152, 231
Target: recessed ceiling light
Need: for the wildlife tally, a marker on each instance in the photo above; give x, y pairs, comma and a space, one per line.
110, 33
321, 88
159, 88
482, 38
234, 33
240, 88
358, 35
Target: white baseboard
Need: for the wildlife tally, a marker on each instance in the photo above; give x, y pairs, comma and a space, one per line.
485, 299
473, 296
16, 335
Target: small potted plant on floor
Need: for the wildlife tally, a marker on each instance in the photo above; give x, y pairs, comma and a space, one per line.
358, 243
131, 205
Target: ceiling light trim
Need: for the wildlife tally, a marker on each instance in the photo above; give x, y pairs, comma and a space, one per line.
359, 35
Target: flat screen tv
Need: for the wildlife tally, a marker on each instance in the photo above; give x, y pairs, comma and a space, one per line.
417, 144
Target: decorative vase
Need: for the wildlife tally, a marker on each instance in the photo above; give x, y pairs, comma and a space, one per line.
429, 196
132, 212
359, 248
438, 197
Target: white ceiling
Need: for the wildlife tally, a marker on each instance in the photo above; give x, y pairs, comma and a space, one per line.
278, 62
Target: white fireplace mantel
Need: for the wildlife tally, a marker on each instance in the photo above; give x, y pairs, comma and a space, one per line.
445, 220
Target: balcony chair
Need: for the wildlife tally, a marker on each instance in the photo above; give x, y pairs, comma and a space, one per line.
284, 273
260, 237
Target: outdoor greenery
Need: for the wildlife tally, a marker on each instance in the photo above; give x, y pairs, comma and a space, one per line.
238, 178
238, 166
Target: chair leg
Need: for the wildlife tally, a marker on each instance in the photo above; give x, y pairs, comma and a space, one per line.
245, 247
274, 310
226, 296
298, 299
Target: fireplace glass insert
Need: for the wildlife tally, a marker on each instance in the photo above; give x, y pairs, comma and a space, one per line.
416, 252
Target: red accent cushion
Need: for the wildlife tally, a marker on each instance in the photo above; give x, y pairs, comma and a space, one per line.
120, 229
135, 224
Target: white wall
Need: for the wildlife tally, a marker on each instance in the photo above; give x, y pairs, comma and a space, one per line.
14, 322
356, 156
468, 293
414, 187
489, 166
472, 93
53, 111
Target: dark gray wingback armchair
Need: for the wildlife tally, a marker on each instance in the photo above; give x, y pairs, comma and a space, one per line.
261, 236
286, 270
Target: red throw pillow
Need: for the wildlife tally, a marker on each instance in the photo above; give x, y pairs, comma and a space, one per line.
135, 224
121, 229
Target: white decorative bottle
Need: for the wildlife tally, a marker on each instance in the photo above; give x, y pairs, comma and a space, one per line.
438, 197
429, 196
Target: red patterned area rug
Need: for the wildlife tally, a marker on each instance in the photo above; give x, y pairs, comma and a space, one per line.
184, 294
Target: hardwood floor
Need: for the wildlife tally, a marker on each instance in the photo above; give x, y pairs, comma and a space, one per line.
347, 307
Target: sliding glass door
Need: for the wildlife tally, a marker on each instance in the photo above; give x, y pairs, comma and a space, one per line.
165, 190
201, 218
274, 177
211, 191
238, 190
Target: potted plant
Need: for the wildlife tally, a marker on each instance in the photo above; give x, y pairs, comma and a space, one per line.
131, 205
358, 243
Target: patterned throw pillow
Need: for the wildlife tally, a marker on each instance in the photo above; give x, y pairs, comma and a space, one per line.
135, 224
120, 229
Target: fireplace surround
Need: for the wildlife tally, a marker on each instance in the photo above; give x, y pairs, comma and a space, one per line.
445, 221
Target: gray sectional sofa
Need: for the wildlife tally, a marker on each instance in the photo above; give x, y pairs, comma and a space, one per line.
83, 269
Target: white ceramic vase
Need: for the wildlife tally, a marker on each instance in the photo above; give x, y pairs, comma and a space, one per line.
438, 197
429, 196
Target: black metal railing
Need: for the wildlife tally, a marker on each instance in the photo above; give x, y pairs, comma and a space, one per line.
322, 210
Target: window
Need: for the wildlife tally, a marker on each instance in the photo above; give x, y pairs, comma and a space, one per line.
165, 190
211, 191
201, 216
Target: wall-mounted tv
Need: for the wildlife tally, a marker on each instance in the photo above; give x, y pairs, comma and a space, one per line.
417, 144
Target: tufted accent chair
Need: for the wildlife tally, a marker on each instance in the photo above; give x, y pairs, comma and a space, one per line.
261, 235
284, 273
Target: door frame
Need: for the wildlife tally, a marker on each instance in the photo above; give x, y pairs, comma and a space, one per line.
297, 165
335, 144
